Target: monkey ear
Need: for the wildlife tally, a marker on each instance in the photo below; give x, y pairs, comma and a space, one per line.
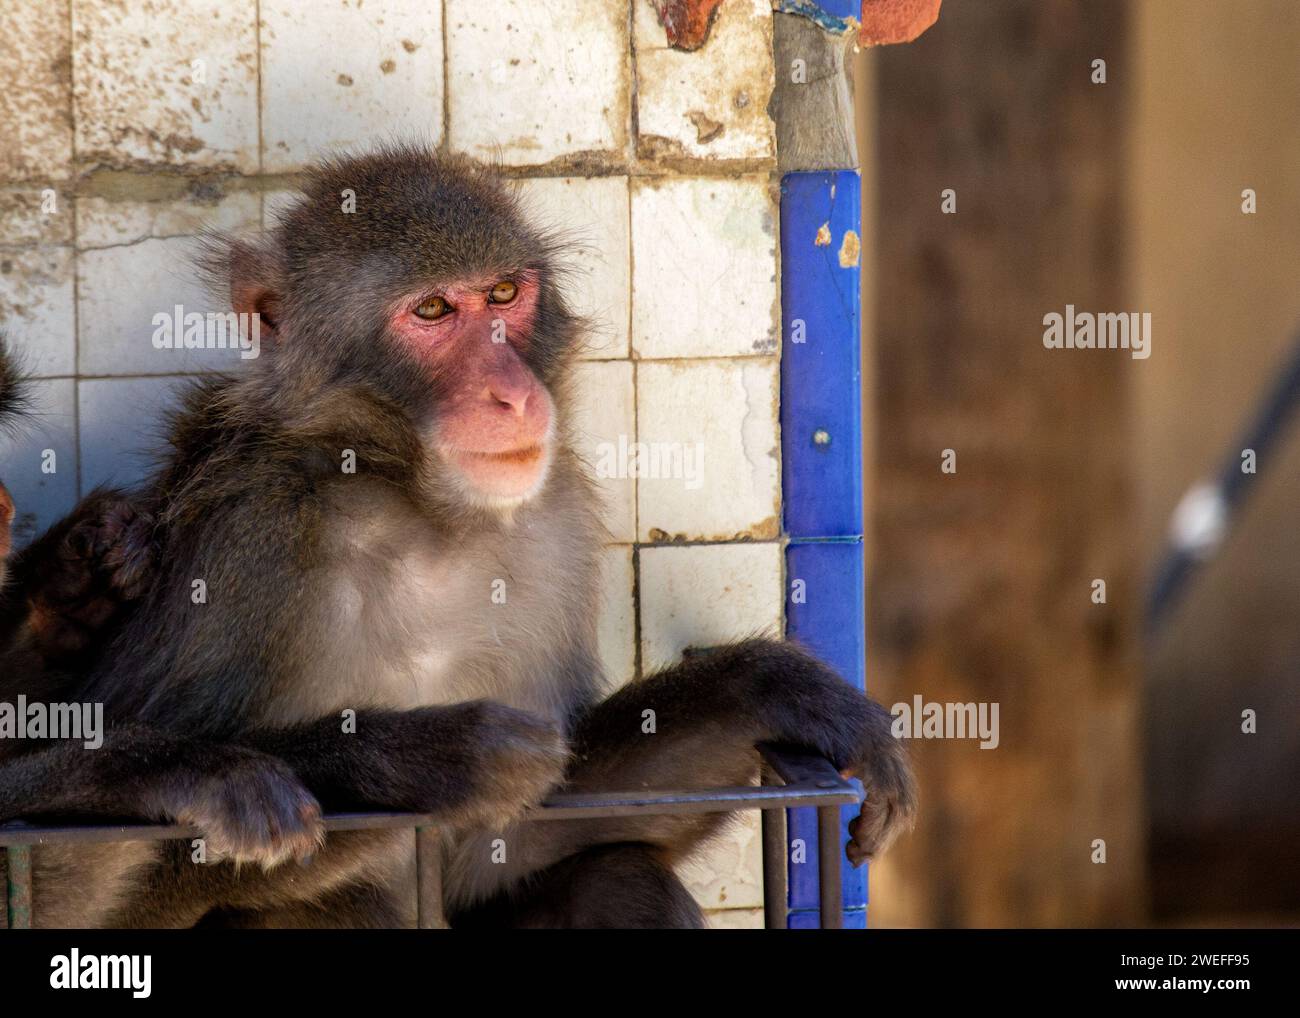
249, 273
256, 284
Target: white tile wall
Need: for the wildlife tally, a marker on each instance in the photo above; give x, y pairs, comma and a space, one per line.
531, 83
336, 73
122, 427
710, 103
36, 308
35, 86
40, 459
605, 422
705, 595
617, 622
704, 267
718, 419
171, 82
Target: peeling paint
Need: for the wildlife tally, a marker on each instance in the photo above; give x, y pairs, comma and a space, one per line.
850, 249
814, 13
687, 23
882, 22
823, 237
886, 22
682, 95
706, 129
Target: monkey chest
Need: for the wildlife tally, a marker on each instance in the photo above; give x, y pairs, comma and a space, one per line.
417, 625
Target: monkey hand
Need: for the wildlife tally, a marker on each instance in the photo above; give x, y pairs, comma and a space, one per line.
801, 701
104, 560
478, 763
248, 806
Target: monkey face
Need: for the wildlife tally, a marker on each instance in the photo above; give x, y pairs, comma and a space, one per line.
419, 280
493, 425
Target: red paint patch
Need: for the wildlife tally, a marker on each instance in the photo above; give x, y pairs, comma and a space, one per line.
893, 21
687, 22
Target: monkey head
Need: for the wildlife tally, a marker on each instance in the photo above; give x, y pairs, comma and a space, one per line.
417, 277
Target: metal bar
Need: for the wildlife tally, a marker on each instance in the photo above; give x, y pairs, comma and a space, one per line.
775, 890
826, 790
828, 868
18, 887
713, 800
29, 834
428, 878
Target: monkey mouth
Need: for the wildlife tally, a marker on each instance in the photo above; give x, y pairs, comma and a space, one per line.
516, 457
506, 474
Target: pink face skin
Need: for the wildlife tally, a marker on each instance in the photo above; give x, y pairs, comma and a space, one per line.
495, 425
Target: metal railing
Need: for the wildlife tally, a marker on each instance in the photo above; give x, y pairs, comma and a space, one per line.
805, 780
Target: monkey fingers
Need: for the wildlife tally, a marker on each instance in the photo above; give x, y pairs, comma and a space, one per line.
6, 520
249, 807
80, 581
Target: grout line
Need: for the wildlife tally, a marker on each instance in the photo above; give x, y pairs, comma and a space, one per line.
76, 256
261, 126
444, 145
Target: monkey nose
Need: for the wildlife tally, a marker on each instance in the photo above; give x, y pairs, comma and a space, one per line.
511, 398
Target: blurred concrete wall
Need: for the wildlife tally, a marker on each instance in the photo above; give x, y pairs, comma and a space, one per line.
1123, 196
1217, 110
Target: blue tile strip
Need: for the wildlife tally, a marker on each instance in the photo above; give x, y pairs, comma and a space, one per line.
821, 446
821, 400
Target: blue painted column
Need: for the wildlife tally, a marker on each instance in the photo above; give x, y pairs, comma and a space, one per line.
821, 455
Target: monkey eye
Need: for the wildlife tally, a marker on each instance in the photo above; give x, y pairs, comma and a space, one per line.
433, 309
503, 293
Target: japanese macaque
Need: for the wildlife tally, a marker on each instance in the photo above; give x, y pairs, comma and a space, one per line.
319, 629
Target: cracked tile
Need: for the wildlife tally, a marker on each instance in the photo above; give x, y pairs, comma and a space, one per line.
709, 467
122, 287
102, 223
704, 267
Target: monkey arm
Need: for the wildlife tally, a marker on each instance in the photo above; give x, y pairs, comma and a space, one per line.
474, 762
246, 804
696, 725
